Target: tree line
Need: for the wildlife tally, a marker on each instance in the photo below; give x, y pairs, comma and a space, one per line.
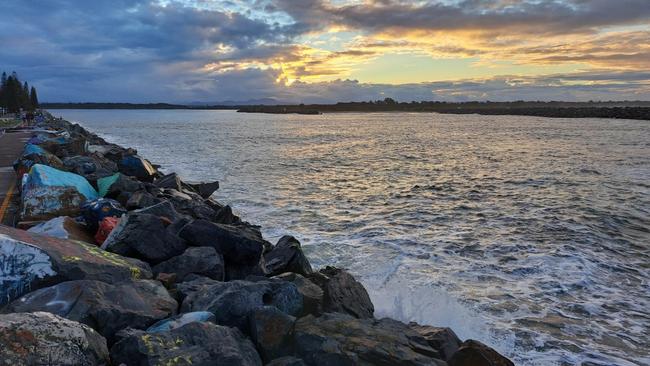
15, 95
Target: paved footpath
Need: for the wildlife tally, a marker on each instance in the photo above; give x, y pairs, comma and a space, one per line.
11, 145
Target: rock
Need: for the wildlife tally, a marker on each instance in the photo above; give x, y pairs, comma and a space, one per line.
340, 339
180, 320
192, 284
140, 199
475, 353
105, 307
63, 227
92, 167
162, 209
205, 190
271, 331
242, 271
443, 340
287, 361
169, 181
30, 261
225, 216
44, 203
203, 261
237, 245
97, 210
116, 185
232, 302
46, 339
136, 166
189, 203
312, 295
342, 293
145, 237
287, 256
195, 343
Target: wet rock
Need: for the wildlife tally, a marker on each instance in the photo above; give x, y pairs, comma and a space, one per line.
475, 353
342, 293
287, 256
180, 320
232, 302
237, 245
136, 166
192, 344
140, 199
443, 340
169, 181
312, 295
46, 339
107, 308
145, 237
340, 339
203, 261
287, 361
31, 261
271, 331
204, 190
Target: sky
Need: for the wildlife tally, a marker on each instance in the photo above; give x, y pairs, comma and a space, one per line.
325, 51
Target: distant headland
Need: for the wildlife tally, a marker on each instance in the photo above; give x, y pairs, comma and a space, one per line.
609, 109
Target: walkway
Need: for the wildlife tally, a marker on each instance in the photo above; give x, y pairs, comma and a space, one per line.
11, 145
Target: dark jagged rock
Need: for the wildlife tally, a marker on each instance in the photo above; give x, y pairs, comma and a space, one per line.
204, 190
190, 204
144, 236
312, 295
443, 340
287, 361
192, 344
124, 186
136, 166
192, 284
287, 256
233, 302
242, 271
45, 339
162, 209
342, 293
34, 261
238, 245
171, 180
340, 339
104, 307
92, 167
225, 216
271, 331
203, 261
140, 199
475, 353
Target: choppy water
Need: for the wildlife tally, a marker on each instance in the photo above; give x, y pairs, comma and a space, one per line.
530, 234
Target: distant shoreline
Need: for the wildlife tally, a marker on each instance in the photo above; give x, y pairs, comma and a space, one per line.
639, 110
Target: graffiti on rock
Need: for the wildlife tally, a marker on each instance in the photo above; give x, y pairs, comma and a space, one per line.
20, 265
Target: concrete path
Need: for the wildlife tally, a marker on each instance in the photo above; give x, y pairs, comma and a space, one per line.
11, 145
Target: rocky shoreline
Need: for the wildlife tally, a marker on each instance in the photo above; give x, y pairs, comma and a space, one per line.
116, 263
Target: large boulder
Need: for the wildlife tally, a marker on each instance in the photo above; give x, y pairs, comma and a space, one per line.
46, 339
271, 330
442, 339
204, 189
475, 353
232, 302
145, 237
188, 203
203, 261
136, 166
342, 293
340, 339
287, 361
180, 320
312, 295
171, 180
197, 343
287, 256
238, 245
105, 307
30, 261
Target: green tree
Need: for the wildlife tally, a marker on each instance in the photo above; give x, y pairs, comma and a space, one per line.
24, 98
33, 98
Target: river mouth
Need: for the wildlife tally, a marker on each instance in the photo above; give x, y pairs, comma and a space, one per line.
529, 234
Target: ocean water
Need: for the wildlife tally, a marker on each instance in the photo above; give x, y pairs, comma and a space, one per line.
529, 234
